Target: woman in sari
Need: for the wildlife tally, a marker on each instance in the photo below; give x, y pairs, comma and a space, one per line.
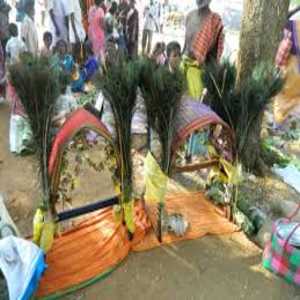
96, 28
287, 102
86, 5
2, 74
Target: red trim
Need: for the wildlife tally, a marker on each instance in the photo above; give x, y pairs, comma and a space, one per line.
79, 120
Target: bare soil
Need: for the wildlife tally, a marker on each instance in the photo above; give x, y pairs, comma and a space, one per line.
214, 267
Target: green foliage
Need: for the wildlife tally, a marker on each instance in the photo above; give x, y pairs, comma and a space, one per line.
119, 85
216, 192
242, 108
87, 98
273, 156
38, 87
162, 92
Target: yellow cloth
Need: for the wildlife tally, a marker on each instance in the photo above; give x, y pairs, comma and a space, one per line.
43, 231
288, 100
155, 181
231, 174
193, 75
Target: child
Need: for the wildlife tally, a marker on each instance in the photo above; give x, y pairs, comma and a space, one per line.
20, 135
173, 56
158, 53
62, 59
89, 69
29, 32
14, 46
48, 39
66, 103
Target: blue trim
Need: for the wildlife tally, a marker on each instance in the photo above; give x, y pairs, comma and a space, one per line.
38, 269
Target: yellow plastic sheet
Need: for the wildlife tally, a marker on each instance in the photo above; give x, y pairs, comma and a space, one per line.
231, 174
43, 232
47, 236
38, 223
155, 180
129, 216
193, 75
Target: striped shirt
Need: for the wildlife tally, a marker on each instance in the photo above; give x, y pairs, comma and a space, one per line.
209, 39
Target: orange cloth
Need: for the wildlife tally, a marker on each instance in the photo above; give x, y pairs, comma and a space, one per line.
287, 102
209, 39
85, 21
99, 243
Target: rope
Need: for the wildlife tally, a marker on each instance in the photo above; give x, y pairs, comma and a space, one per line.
295, 213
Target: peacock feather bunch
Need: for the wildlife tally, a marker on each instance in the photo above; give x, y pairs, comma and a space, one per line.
119, 85
242, 108
162, 92
38, 87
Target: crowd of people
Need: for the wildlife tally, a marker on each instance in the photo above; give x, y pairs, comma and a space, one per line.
79, 35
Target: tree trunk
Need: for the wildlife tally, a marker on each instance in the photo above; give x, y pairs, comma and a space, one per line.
262, 26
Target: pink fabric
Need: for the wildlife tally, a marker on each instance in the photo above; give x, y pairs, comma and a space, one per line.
96, 31
161, 59
16, 105
2, 71
284, 49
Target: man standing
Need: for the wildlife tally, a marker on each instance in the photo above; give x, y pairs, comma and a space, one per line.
4, 22
28, 30
204, 41
132, 30
76, 30
150, 26
57, 11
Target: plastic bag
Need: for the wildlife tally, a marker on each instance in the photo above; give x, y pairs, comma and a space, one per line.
43, 231
22, 264
155, 180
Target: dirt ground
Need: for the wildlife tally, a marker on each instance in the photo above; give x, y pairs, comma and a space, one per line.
227, 267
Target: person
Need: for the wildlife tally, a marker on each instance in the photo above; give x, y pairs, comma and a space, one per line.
76, 32
47, 49
64, 106
158, 54
287, 103
15, 46
150, 26
111, 32
86, 5
58, 25
4, 22
122, 11
41, 7
173, 56
2, 74
132, 30
96, 29
62, 59
87, 72
20, 134
204, 41
29, 32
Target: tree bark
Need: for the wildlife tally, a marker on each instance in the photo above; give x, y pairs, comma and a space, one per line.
262, 26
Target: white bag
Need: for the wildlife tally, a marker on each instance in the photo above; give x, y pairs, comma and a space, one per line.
22, 264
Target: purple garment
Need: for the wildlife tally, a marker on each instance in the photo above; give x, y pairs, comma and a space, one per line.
292, 27
2, 63
91, 66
